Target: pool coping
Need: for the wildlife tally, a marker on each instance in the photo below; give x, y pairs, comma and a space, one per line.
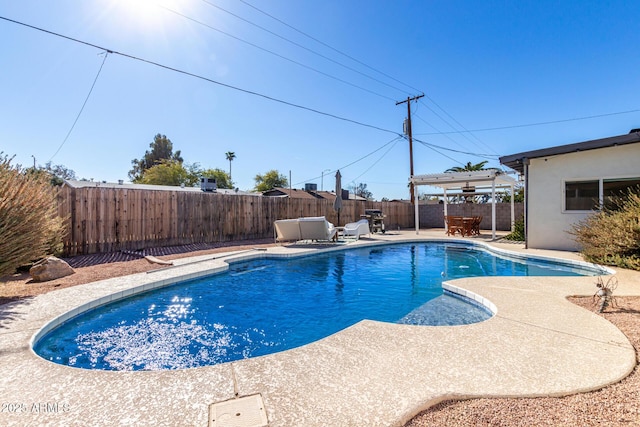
372, 373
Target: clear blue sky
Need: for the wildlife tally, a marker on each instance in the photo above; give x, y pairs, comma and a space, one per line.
480, 64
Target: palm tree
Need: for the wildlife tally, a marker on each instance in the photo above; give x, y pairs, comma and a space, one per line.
230, 156
469, 167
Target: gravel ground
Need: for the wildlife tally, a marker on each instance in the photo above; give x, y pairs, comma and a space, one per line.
90, 268
615, 405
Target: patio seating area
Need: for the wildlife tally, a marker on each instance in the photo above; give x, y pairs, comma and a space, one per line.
464, 226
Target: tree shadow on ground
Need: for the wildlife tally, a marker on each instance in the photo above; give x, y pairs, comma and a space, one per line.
12, 309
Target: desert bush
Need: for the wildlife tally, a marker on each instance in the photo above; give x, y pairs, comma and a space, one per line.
30, 227
612, 235
518, 231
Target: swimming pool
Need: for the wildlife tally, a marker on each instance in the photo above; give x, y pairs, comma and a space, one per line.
265, 306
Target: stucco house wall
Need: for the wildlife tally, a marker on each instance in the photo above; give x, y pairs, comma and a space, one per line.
548, 220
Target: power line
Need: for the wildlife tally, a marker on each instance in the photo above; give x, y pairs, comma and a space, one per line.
367, 66
274, 53
447, 123
355, 161
438, 130
377, 161
431, 147
486, 156
186, 73
413, 89
106, 53
536, 124
302, 46
455, 120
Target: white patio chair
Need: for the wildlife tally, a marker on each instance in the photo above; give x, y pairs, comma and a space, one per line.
357, 229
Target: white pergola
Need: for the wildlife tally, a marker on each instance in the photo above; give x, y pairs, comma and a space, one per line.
493, 179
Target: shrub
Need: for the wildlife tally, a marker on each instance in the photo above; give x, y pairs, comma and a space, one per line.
518, 231
612, 235
30, 227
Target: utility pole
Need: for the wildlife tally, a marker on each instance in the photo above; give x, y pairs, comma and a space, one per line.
408, 133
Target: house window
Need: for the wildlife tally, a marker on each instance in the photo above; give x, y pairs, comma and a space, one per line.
617, 187
582, 195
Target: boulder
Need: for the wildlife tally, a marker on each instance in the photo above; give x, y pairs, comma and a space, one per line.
50, 268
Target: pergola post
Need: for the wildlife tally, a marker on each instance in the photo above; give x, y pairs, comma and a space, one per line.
417, 208
444, 193
513, 209
493, 209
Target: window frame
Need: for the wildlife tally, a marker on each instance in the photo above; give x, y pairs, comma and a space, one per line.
567, 182
601, 196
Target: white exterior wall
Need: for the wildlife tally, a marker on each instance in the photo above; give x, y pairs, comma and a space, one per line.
548, 222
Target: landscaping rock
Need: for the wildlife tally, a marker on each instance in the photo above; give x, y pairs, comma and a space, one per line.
50, 268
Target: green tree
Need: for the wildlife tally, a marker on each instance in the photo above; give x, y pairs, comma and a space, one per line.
270, 180
161, 149
518, 198
361, 190
30, 227
58, 173
223, 179
469, 167
230, 156
170, 172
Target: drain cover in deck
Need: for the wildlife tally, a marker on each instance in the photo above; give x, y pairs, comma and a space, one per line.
246, 411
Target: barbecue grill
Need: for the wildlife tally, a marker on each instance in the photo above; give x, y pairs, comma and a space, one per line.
375, 218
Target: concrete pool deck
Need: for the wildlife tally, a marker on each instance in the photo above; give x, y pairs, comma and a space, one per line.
370, 374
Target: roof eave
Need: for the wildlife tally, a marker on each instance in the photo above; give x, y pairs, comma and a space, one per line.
516, 161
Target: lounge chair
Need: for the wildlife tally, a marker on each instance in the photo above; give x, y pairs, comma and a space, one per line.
357, 229
316, 228
286, 230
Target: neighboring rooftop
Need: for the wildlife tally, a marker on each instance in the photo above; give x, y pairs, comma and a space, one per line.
299, 193
128, 185
516, 161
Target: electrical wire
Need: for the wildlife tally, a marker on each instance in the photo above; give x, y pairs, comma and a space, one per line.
329, 46
377, 161
364, 64
355, 161
429, 146
537, 123
303, 47
275, 53
432, 126
485, 156
460, 124
449, 124
106, 53
465, 130
187, 73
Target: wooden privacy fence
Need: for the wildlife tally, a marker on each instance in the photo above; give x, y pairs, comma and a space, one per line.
101, 220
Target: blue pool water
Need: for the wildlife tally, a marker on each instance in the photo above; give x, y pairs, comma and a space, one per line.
265, 306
